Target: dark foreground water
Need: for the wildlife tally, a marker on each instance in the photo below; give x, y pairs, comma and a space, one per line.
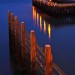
59, 32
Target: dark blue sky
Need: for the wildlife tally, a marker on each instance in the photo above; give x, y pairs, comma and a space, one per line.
16, 1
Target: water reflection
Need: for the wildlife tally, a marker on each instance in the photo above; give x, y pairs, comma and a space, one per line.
56, 21
49, 30
63, 21
37, 18
45, 22
34, 17
40, 22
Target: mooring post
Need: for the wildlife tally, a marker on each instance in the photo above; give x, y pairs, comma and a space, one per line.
16, 31
13, 31
9, 23
12, 26
9, 18
23, 35
16, 27
33, 51
48, 60
12, 22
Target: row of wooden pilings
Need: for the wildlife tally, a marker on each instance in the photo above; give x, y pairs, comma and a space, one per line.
19, 36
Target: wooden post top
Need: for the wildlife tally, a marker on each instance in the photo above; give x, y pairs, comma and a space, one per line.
48, 52
12, 16
32, 36
16, 20
47, 46
32, 31
8, 12
22, 25
48, 59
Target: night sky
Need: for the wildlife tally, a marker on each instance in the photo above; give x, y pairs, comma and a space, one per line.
15, 0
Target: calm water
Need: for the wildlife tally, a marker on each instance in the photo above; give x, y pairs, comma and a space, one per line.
58, 32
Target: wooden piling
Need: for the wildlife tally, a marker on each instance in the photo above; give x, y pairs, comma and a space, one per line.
17, 40
16, 27
23, 35
9, 24
12, 22
13, 29
33, 51
48, 60
9, 17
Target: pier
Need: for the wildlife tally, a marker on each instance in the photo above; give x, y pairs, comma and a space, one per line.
53, 8
28, 55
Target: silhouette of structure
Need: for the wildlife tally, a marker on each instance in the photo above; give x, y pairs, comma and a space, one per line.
54, 8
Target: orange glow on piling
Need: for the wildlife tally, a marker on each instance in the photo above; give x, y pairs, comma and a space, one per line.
37, 18
40, 23
44, 26
49, 60
49, 30
34, 15
33, 10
